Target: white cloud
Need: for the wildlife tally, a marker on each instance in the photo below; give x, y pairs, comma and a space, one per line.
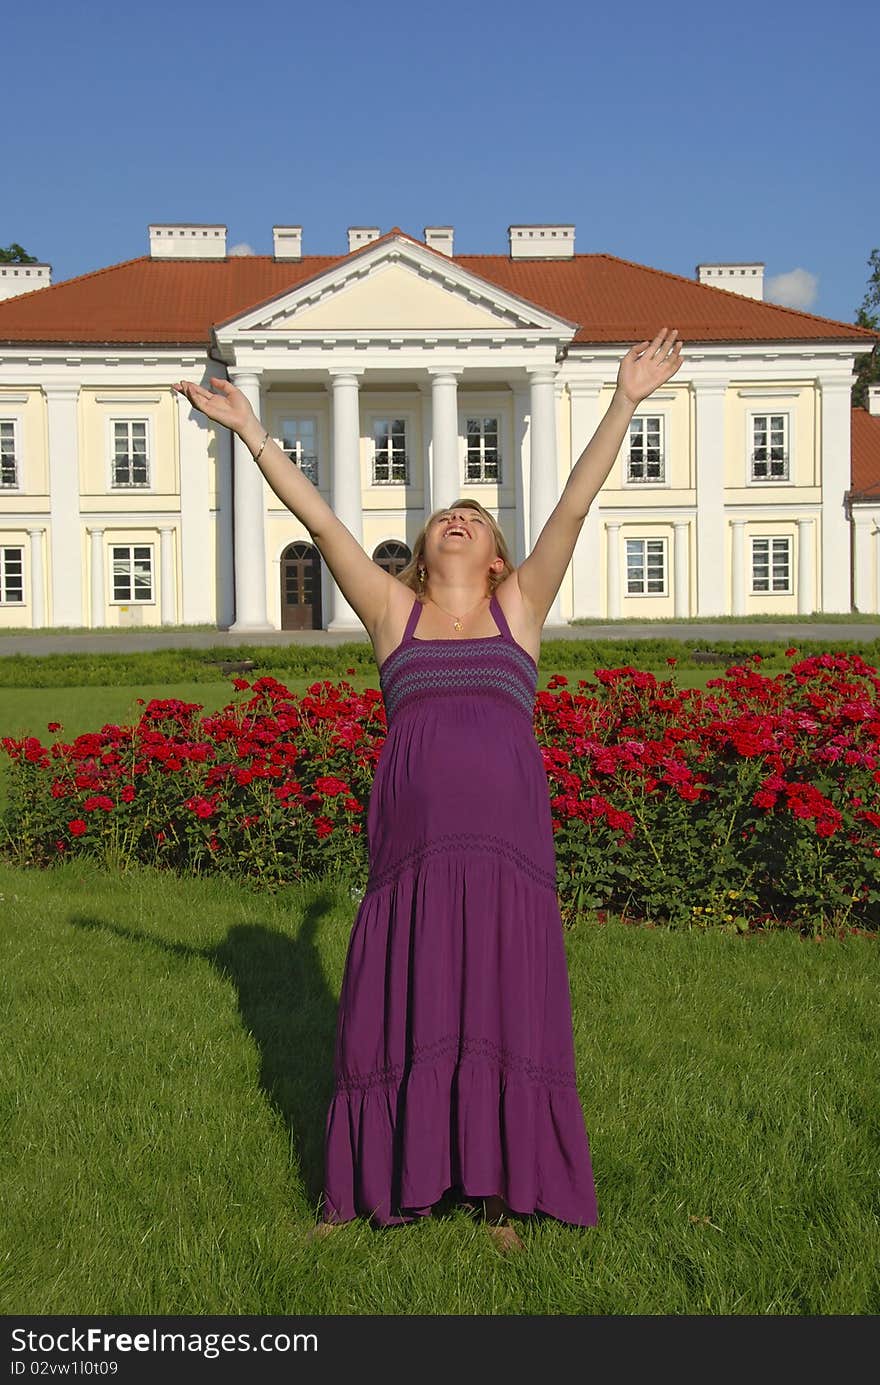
242, 249
796, 289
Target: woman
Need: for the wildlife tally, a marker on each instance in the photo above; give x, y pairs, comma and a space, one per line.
454, 1057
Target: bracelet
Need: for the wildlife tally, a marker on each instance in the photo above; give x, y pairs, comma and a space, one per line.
262, 445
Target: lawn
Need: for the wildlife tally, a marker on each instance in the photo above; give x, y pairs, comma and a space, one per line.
167, 1066
168, 1062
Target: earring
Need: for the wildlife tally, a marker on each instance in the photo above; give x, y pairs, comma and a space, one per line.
421, 574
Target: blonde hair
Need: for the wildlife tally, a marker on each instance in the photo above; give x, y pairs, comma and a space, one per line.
409, 575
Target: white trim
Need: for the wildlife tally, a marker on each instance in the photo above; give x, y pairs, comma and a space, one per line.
153, 599
771, 591
113, 488
25, 598
769, 394
368, 418
125, 401
16, 418
663, 413
751, 414
645, 539
279, 415
497, 404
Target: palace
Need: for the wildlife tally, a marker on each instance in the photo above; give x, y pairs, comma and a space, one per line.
399, 376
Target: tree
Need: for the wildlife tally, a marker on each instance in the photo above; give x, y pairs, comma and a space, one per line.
13, 254
868, 315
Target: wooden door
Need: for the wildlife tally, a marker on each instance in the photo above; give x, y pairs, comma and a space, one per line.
301, 587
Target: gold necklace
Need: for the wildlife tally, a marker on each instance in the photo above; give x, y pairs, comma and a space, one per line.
456, 621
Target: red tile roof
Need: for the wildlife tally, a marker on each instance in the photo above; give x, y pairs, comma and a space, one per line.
865, 456
160, 302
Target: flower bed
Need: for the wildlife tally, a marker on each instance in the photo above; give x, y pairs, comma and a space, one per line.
754, 803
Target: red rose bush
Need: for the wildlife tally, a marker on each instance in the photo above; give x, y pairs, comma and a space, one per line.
754, 803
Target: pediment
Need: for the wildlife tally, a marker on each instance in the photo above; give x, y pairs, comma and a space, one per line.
395, 285
395, 295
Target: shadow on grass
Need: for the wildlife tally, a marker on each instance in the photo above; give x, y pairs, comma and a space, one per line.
288, 1008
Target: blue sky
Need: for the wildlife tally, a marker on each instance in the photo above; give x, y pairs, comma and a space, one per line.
668, 134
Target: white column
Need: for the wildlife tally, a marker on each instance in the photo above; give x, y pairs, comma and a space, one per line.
710, 497
738, 566
196, 556
612, 569
875, 535
249, 520
681, 568
428, 491
97, 602
444, 437
64, 500
346, 494
805, 592
223, 534
544, 483
835, 474
521, 466
38, 586
167, 595
584, 422
863, 579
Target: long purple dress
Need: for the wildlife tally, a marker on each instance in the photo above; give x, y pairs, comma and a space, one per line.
454, 1058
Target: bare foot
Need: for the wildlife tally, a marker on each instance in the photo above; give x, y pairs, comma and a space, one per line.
502, 1233
505, 1237
323, 1228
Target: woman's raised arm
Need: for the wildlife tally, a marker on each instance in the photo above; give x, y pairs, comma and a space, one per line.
365, 585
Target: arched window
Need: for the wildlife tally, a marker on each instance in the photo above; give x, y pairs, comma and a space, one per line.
393, 556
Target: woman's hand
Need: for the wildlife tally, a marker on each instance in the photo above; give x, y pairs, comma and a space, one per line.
649, 364
226, 404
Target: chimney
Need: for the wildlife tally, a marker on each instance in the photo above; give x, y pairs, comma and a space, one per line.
288, 242
541, 242
23, 278
874, 400
747, 279
439, 238
177, 242
361, 235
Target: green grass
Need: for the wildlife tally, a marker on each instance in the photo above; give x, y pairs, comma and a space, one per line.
168, 1063
769, 618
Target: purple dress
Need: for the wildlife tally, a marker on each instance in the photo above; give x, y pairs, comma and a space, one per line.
454, 1058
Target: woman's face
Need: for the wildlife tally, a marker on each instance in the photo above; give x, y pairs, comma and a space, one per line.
459, 538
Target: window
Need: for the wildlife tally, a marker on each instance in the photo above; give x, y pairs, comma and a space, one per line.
389, 450
770, 447
482, 457
8, 452
392, 556
645, 461
11, 574
646, 567
129, 452
771, 565
132, 572
299, 439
